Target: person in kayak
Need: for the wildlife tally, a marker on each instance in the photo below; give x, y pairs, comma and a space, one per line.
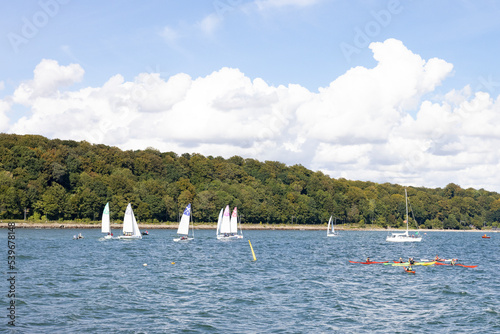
401, 260
411, 261
453, 262
437, 258
367, 259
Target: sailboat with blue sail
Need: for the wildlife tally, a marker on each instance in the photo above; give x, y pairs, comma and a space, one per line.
183, 229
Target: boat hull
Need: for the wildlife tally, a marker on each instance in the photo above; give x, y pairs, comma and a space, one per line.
229, 237
456, 264
130, 237
405, 264
399, 238
183, 239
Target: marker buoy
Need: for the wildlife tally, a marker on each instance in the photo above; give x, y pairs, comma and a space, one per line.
253, 253
172, 262
145, 264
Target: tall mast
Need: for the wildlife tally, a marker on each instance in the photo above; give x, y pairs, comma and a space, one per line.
406, 198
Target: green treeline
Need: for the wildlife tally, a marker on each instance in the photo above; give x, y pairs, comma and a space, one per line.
69, 180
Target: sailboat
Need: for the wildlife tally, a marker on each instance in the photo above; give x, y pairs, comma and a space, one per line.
330, 231
105, 226
227, 225
183, 230
234, 224
130, 227
404, 237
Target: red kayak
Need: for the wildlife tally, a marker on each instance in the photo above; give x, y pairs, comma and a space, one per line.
456, 264
371, 262
409, 271
485, 237
443, 260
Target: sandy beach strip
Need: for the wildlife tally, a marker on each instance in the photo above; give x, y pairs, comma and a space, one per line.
171, 226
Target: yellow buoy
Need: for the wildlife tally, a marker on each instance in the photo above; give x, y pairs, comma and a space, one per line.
253, 253
172, 262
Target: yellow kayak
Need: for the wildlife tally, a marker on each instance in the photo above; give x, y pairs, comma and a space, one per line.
406, 264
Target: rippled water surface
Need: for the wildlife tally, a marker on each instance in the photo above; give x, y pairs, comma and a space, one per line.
301, 283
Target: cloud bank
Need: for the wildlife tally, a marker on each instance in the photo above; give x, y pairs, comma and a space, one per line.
368, 124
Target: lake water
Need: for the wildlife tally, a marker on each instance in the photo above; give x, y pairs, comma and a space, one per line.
301, 283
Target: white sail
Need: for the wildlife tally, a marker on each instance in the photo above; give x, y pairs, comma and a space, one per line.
130, 226
128, 220
136, 232
233, 226
105, 227
184, 223
330, 230
225, 226
219, 221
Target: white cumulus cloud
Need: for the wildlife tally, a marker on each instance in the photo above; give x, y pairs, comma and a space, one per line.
367, 124
48, 77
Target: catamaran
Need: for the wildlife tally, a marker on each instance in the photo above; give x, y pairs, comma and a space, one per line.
404, 237
105, 226
227, 226
183, 229
130, 227
330, 231
235, 222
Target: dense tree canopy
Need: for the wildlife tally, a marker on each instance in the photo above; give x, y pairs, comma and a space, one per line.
63, 179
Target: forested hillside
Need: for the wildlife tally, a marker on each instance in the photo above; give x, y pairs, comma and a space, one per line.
69, 180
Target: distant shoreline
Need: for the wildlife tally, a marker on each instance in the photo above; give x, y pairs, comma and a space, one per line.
171, 226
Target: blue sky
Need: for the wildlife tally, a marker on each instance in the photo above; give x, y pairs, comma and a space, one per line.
337, 86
